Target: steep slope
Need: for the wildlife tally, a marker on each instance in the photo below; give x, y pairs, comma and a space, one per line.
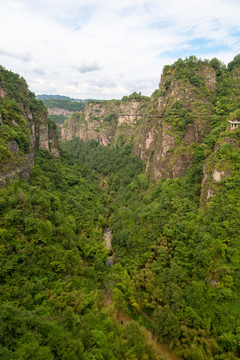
106, 121
61, 107
221, 160
164, 129
183, 107
53, 269
176, 265
24, 127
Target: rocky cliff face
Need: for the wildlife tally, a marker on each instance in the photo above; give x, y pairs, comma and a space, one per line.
24, 127
183, 116
222, 160
58, 111
105, 121
165, 129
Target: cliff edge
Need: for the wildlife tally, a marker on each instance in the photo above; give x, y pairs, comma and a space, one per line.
24, 127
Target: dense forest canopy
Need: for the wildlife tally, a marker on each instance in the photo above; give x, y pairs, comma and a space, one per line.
176, 253
59, 97
64, 104
53, 268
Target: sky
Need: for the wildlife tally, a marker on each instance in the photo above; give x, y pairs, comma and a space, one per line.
106, 49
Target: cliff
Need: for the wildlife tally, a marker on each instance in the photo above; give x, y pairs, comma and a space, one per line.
184, 107
24, 127
187, 114
222, 160
164, 129
106, 121
59, 111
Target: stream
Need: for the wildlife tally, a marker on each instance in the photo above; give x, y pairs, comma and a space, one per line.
108, 242
161, 349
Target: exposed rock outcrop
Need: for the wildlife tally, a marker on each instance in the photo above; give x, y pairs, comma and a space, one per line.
24, 128
104, 121
3, 93
217, 166
164, 129
59, 111
184, 112
221, 161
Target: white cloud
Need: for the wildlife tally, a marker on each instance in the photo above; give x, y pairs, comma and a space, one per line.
86, 67
106, 48
16, 55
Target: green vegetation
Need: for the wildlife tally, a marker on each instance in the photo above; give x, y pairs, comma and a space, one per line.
135, 96
187, 67
192, 82
179, 117
167, 84
58, 97
65, 104
110, 118
234, 63
53, 267
58, 119
107, 103
13, 114
177, 264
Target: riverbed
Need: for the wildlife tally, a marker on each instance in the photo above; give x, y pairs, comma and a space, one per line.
108, 243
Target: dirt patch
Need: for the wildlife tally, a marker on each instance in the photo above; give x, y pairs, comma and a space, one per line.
162, 351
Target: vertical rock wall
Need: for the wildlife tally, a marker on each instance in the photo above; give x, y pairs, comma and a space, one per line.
184, 111
24, 128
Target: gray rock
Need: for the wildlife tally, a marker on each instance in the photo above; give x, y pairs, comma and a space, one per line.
13, 147
109, 262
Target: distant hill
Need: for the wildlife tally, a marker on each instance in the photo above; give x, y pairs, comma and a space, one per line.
69, 105
60, 107
59, 97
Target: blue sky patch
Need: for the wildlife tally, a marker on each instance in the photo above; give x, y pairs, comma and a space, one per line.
197, 47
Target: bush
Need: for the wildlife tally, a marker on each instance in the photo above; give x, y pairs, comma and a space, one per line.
167, 84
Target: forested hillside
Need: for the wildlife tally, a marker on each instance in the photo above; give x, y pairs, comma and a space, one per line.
64, 104
177, 266
53, 270
24, 127
175, 239
60, 107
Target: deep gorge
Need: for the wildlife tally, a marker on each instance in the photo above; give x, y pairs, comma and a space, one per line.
165, 188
